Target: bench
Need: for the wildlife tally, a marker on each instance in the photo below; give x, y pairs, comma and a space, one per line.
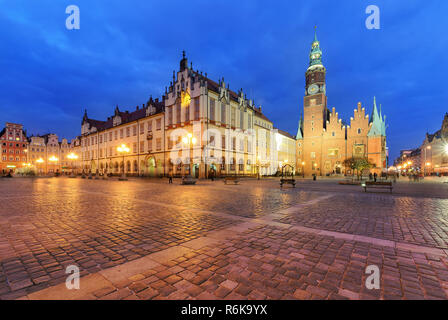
188, 180
377, 184
234, 179
287, 181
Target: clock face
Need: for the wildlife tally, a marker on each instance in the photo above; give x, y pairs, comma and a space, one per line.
312, 89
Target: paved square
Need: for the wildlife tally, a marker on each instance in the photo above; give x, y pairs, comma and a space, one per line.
145, 239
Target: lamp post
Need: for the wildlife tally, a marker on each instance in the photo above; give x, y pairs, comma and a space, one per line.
190, 140
72, 156
123, 149
258, 167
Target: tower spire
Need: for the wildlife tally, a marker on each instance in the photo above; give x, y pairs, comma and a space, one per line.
315, 53
299, 134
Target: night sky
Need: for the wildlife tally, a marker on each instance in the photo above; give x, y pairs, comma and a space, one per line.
124, 52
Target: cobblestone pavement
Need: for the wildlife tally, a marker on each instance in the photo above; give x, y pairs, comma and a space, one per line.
144, 239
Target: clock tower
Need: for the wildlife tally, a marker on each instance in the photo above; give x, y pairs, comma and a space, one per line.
315, 108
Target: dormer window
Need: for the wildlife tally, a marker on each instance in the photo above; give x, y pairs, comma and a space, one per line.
116, 121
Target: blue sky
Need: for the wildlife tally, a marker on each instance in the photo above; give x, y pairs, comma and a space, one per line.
126, 51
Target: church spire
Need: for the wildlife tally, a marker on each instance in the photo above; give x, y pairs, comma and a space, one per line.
300, 128
378, 127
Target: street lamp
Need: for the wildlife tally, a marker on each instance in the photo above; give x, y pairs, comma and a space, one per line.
190, 140
40, 161
123, 149
72, 156
53, 159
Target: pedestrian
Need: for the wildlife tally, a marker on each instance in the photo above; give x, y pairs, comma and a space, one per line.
370, 176
375, 175
170, 177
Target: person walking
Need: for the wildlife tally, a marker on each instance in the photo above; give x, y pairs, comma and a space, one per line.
375, 175
170, 177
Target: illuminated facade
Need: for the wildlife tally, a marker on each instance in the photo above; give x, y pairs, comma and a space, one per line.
324, 141
198, 127
434, 151
13, 147
49, 155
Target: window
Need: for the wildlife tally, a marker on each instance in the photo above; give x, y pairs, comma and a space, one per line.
333, 152
150, 146
232, 119
150, 126
187, 113
196, 109
242, 119
223, 142
212, 109
359, 130
178, 113
142, 146
142, 128
212, 140
313, 155
134, 147
169, 112
232, 164
128, 132
241, 165
223, 113
158, 144
121, 133
158, 124
234, 144
134, 130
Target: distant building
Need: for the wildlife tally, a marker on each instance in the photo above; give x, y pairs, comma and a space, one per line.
14, 145
286, 149
49, 155
434, 150
324, 141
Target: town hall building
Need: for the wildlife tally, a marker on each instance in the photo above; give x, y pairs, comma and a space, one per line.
323, 140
